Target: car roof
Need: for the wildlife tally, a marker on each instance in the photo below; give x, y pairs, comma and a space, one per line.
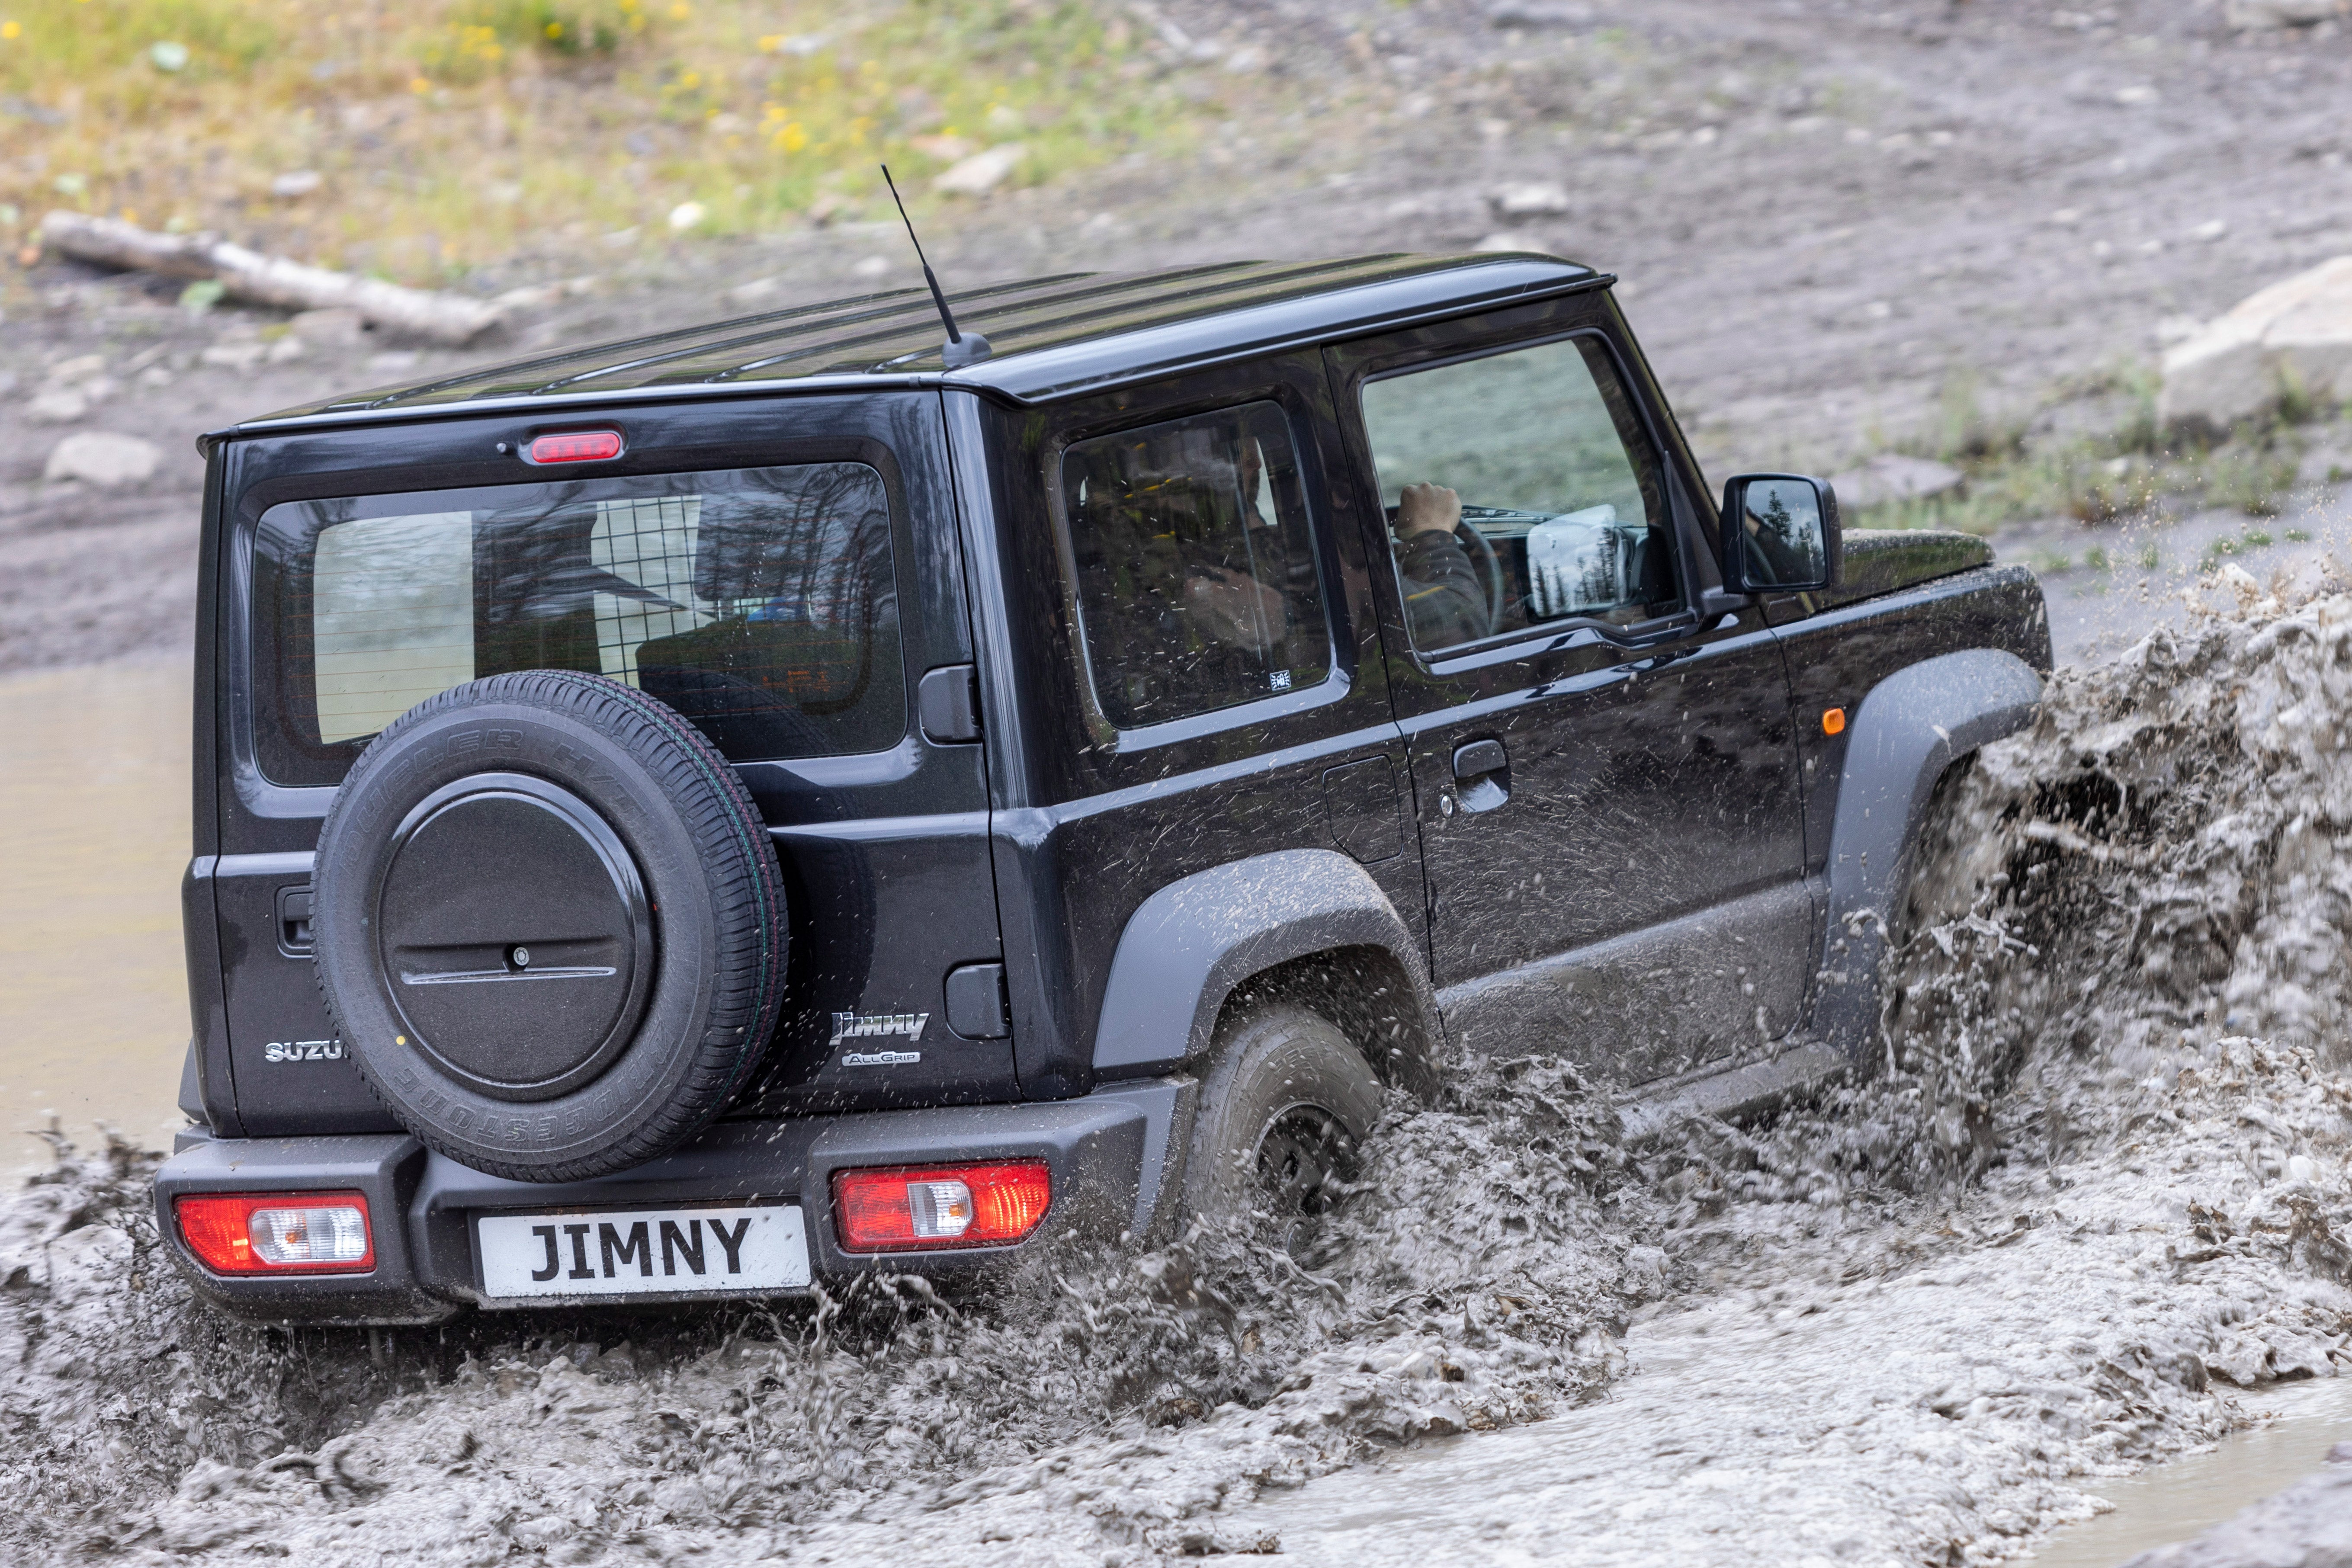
1053, 337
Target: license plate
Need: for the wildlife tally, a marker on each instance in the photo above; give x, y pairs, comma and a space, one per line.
643, 1252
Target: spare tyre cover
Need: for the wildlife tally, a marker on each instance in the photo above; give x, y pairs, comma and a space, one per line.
549, 925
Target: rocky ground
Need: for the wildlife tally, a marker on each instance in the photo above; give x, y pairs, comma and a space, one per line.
1840, 224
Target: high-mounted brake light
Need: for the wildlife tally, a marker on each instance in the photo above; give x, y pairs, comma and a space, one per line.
577, 446
927, 1209
279, 1233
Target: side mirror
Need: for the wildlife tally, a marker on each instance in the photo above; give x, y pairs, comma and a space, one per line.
1780, 534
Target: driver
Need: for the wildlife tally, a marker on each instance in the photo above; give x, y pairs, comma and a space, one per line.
1444, 602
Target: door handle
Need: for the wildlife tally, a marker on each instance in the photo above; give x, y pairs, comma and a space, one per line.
1483, 771
1479, 759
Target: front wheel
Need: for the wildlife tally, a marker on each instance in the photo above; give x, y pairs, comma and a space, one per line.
1286, 1105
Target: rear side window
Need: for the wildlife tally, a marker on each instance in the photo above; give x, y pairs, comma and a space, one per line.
761, 604
1197, 583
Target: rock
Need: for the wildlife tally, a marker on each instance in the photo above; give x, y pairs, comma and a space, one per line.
57, 405
296, 183
982, 172
1895, 477
2268, 15
81, 367
2294, 333
235, 356
754, 291
685, 216
946, 149
1539, 13
103, 458
1540, 198
1509, 239
286, 350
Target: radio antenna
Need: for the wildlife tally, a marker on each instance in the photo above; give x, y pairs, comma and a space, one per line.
961, 348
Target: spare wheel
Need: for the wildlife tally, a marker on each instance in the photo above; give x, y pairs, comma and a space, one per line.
549, 925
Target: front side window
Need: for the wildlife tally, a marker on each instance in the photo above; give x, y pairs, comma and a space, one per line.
761, 605
1197, 583
1518, 491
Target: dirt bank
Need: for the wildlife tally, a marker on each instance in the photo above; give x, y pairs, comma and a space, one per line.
1836, 219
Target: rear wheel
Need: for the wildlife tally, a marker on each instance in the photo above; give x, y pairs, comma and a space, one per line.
1287, 1104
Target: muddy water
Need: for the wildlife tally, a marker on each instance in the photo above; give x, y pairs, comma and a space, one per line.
2179, 1501
93, 838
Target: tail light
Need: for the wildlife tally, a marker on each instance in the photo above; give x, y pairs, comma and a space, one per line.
931, 1207
577, 446
279, 1233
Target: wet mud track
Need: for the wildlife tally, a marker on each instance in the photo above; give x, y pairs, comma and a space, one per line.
2089, 1209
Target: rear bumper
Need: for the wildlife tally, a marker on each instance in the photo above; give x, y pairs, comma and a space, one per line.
1109, 1154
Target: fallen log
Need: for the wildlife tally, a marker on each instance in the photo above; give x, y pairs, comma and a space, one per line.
268, 279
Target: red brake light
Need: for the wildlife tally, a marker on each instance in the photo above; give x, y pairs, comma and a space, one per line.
927, 1209
577, 446
279, 1233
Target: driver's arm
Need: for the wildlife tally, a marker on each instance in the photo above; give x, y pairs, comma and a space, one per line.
1444, 598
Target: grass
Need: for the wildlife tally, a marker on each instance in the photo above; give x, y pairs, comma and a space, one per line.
448, 134
2136, 468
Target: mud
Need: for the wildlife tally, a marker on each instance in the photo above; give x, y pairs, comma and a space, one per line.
2090, 1206
2307, 1526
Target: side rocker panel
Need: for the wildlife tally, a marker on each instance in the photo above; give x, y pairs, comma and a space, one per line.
1913, 726
1192, 942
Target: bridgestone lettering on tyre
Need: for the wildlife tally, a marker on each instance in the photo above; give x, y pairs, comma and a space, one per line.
549, 925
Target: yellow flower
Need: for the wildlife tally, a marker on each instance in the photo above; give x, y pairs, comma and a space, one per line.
12, 29
418, 84
680, 12
555, 29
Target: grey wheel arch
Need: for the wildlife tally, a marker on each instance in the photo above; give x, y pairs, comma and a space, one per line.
1191, 945
1912, 727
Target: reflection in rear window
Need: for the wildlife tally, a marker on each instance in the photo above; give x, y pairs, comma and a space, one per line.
761, 604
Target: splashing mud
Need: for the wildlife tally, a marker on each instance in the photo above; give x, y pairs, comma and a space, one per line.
2110, 1118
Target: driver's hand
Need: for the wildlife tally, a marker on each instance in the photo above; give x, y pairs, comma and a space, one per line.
1427, 509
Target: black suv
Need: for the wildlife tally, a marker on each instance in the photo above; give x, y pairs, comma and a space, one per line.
726, 810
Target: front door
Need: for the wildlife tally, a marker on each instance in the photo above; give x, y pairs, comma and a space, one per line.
1606, 780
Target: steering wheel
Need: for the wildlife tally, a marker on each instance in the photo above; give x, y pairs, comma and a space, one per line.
1491, 565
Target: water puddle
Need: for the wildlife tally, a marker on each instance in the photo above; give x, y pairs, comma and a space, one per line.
94, 835
1469, 1498
2190, 1496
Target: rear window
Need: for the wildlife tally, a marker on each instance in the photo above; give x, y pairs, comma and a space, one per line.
761, 604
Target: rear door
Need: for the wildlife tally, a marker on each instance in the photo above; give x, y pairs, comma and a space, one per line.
1606, 779
784, 572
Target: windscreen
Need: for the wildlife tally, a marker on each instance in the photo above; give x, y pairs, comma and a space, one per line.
761, 604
